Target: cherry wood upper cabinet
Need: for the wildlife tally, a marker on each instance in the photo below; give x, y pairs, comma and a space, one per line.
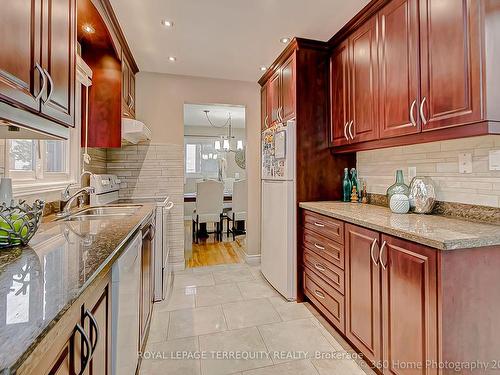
274, 97
399, 69
362, 285
58, 57
128, 90
339, 95
20, 60
364, 83
288, 89
409, 305
450, 45
263, 107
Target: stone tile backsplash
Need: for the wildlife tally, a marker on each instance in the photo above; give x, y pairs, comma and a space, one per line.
154, 170
438, 160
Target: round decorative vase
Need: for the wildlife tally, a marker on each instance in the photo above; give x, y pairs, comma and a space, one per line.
422, 195
399, 204
399, 187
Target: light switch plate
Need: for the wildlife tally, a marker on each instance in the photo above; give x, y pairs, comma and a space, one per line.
412, 172
494, 160
465, 162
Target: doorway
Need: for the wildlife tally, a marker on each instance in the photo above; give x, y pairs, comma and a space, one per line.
215, 192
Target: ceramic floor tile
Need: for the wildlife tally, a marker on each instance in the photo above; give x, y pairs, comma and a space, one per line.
217, 294
233, 276
194, 322
332, 366
290, 310
256, 289
250, 313
303, 367
235, 342
338, 343
294, 339
193, 280
158, 358
180, 298
205, 269
159, 326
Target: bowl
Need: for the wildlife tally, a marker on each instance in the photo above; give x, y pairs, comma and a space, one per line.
19, 223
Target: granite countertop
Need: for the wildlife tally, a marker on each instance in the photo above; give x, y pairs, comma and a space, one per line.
443, 233
40, 282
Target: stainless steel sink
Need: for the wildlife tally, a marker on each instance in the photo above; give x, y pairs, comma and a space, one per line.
100, 212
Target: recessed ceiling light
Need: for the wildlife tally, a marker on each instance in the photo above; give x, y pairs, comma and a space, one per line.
284, 40
172, 58
263, 68
88, 29
167, 23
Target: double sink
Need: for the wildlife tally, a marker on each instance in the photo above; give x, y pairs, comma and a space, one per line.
100, 212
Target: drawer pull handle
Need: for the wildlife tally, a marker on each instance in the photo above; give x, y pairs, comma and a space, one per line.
382, 248
319, 294
319, 224
319, 247
319, 267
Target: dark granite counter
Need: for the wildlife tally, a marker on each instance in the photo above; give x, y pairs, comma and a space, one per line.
443, 233
40, 282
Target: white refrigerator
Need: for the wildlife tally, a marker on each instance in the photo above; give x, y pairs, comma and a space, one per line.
278, 228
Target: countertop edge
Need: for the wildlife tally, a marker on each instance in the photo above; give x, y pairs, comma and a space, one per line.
438, 245
103, 267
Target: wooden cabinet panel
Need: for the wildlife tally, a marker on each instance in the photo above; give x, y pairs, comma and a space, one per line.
125, 88
58, 57
409, 305
450, 43
288, 89
339, 95
330, 273
274, 97
363, 66
330, 250
64, 363
20, 32
147, 267
263, 107
362, 283
399, 69
324, 225
132, 92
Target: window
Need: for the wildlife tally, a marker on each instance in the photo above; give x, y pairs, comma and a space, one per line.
201, 158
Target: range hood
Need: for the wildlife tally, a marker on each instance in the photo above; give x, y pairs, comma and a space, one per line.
134, 131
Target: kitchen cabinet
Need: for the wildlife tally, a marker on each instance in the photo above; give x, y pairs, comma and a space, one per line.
363, 292
399, 70
37, 67
128, 90
288, 89
147, 282
339, 95
274, 98
263, 107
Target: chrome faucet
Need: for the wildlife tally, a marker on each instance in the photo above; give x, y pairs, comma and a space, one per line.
65, 195
67, 203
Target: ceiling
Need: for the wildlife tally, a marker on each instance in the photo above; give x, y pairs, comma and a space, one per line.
194, 115
227, 39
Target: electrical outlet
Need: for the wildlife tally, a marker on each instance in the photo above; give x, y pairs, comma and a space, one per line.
412, 172
465, 162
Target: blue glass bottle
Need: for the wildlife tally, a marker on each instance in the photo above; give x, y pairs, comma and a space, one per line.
347, 186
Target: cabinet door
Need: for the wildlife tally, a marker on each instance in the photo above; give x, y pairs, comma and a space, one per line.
339, 95
146, 282
362, 287
64, 363
132, 92
450, 62
101, 312
409, 293
58, 56
263, 107
288, 89
125, 89
364, 82
20, 46
399, 85
274, 97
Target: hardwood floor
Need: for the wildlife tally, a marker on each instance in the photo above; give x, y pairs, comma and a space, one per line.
209, 252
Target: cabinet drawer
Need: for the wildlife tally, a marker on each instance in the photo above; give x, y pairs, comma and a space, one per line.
325, 298
324, 247
331, 274
324, 225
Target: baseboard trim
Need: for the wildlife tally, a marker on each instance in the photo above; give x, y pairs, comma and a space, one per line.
252, 260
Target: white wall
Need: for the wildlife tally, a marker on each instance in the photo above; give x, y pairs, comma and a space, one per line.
439, 160
160, 104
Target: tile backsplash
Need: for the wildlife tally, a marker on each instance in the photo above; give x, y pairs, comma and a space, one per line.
154, 170
439, 160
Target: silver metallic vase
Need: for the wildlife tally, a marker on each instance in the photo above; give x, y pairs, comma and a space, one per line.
422, 195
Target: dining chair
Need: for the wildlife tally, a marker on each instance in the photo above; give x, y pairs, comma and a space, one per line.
238, 210
209, 207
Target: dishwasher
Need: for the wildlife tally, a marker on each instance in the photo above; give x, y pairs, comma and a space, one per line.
125, 289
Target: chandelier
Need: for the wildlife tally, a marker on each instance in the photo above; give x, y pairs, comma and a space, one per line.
225, 140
